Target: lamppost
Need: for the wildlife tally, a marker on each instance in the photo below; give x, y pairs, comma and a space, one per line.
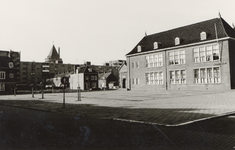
42, 90
32, 74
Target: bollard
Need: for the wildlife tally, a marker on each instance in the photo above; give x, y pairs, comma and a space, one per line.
79, 94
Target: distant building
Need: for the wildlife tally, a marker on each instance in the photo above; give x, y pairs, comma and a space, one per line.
36, 72
107, 80
9, 71
123, 75
116, 63
85, 77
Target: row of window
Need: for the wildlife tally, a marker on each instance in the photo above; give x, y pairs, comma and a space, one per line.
92, 77
3, 75
200, 54
207, 75
206, 53
178, 77
203, 36
154, 78
155, 60
201, 76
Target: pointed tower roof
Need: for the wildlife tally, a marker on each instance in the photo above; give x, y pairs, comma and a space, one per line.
53, 56
53, 53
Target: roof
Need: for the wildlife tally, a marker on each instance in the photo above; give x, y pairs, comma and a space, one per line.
105, 75
214, 28
85, 69
53, 53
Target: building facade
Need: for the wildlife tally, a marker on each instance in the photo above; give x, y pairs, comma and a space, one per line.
197, 56
85, 77
9, 71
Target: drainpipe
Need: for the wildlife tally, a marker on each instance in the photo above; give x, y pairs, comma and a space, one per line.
166, 70
129, 73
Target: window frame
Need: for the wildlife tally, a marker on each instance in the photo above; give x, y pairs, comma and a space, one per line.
2, 75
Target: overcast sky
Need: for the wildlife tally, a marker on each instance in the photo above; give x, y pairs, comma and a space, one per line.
96, 30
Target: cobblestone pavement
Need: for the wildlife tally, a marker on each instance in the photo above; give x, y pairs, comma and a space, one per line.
169, 108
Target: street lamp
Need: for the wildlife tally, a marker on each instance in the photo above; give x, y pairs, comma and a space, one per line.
32, 74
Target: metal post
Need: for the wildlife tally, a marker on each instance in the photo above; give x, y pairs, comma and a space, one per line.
32, 92
64, 97
79, 94
42, 90
15, 91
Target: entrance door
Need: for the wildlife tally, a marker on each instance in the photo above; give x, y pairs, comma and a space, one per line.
123, 83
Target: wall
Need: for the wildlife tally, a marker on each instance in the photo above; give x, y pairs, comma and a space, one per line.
189, 66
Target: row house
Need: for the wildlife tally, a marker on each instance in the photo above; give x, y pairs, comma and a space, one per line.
197, 56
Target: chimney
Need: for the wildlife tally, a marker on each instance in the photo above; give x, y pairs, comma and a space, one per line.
59, 52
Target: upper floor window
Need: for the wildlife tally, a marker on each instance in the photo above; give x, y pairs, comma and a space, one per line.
2, 75
155, 45
11, 65
177, 57
138, 48
203, 35
135, 65
177, 41
155, 60
206, 53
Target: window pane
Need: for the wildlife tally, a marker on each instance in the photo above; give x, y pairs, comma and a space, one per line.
202, 54
209, 53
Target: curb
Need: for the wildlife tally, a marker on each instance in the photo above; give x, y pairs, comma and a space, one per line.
175, 125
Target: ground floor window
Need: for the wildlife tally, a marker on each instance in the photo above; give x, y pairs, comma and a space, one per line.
2, 86
178, 77
154, 78
207, 75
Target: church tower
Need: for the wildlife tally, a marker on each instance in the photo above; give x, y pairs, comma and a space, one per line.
53, 56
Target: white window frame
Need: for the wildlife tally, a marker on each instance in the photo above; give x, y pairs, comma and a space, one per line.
154, 78
177, 77
203, 36
155, 60
209, 76
2, 75
138, 48
177, 41
176, 57
155, 45
207, 53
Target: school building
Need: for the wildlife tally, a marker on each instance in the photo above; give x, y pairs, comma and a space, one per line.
199, 56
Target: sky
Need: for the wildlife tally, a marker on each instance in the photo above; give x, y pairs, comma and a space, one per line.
96, 30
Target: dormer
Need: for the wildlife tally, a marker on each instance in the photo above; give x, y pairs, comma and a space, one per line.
177, 41
155, 45
138, 48
203, 35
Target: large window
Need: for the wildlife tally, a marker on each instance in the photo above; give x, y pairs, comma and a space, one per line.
154, 60
2, 75
178, 77
154, 78
206, 53
177, 57
207, 75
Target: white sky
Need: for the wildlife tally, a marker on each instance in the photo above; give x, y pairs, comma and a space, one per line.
96, 30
